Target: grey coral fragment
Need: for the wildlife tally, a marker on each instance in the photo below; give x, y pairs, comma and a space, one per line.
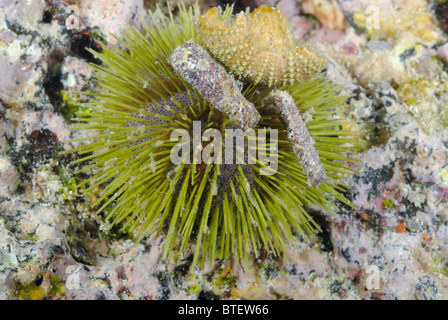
212, 81
299, 136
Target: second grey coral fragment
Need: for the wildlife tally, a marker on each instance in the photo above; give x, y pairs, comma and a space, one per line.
299, 136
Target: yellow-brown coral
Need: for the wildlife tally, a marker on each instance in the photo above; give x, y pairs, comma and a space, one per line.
415, 18
259, 46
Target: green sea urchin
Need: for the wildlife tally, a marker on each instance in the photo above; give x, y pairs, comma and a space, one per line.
225, 208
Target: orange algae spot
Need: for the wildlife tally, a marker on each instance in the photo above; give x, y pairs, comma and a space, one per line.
400, 228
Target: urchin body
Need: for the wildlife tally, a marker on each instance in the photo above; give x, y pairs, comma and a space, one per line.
223, 208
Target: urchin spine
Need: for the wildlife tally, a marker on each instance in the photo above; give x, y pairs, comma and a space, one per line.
300, 138
213, 82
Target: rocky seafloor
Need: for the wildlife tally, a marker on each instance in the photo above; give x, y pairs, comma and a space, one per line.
390, 55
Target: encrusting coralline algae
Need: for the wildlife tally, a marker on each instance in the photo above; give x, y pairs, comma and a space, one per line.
401, 180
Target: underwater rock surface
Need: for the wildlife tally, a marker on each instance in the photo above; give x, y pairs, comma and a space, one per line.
392, 245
